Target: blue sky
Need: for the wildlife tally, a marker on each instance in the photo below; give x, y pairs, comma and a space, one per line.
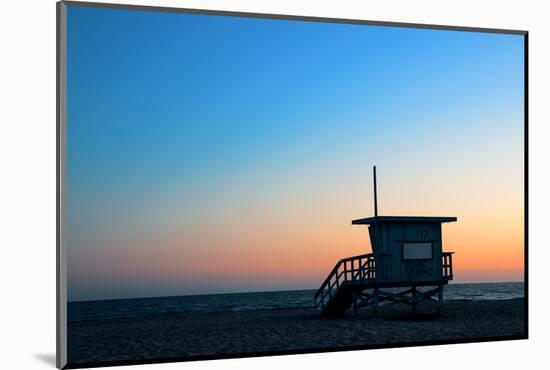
175, 120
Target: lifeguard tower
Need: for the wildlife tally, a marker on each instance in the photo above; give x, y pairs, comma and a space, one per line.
407, 252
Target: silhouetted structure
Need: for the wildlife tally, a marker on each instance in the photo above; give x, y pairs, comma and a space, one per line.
407, 252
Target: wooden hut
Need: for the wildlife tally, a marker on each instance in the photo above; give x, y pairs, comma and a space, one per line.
407, 252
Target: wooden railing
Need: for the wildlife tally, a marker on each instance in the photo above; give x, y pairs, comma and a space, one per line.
362, 268
447, 265
347, 270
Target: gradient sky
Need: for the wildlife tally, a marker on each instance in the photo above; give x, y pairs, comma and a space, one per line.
215, 154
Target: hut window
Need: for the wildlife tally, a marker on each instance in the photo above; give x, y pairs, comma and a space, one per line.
417, 251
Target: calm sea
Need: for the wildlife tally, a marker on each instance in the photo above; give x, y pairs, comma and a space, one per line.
141, 307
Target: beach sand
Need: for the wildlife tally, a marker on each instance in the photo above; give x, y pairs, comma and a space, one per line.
285, 330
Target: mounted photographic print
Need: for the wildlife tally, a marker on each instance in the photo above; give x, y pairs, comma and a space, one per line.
234, 184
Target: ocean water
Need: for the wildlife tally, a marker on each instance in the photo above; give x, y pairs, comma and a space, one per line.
143, 307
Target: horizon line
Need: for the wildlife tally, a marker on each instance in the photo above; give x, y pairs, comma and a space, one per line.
262, 291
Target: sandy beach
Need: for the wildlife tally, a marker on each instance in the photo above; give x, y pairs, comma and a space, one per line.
194, 336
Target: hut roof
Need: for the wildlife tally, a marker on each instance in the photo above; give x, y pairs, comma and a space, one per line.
372, 220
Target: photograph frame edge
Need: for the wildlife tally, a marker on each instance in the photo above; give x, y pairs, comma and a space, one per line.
291, 17
61, 146
61, 124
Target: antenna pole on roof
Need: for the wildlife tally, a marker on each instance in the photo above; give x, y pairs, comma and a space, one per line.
375, 197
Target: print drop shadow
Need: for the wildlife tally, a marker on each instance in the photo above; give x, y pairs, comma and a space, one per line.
47, 358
